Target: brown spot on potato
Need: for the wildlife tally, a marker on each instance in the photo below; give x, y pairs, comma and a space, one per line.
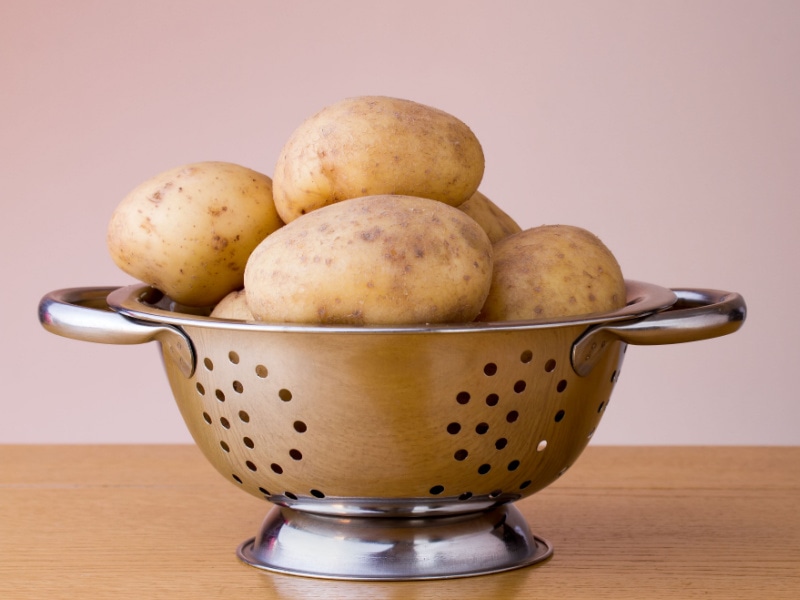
372, 234
218, 242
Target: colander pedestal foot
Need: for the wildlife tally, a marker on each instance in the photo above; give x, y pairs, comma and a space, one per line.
394, 548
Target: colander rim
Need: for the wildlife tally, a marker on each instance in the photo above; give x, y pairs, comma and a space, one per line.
145, 303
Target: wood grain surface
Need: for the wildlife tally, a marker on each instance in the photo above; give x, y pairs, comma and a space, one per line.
626, 522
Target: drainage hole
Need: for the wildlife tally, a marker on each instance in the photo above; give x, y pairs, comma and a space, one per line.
209, 365
220, 395
224, 445
207, 418
513, 465
285, 395
484, 469
492, 400
481, 428
501, 443
465, 496
244, 416
520, 386
317, 494
562, 385
524, 484
200, 389
300, 427
436, 490
263, 491
461, 454
512, 416
462, 397
600, 408
225, 423
290, 495
490, 369
296, 454
559, 416
251, 465
233, 357
236, 477
453, 428
261, 371
276, 468
238, 387
542, 445
495, 494
550, 365
249, 443
526, 356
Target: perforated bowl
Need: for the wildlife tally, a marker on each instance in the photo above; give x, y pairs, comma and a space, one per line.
392, 452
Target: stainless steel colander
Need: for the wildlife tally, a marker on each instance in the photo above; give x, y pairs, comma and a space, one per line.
391, 452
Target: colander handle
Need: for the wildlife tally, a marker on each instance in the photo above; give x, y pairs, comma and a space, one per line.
84, 314
698, 314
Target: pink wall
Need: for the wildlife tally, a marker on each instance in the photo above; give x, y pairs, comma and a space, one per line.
670, 129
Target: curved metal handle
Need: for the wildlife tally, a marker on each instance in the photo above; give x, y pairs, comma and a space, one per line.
699, 314
83, 314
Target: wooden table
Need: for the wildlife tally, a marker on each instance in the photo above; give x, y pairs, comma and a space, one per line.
627, 522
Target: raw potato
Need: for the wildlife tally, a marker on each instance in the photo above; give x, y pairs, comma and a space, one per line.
373, 145
233, 306
372, 260
552, 271
189, 231
495, 222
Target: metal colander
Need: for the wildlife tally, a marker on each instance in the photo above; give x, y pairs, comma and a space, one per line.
391, 452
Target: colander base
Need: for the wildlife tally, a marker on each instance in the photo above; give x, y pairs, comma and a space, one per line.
394, 548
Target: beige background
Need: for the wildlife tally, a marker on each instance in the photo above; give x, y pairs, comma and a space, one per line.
670, 129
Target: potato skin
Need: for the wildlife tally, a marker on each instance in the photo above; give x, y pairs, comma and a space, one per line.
374, 145
189, 231
552, 271
495, 221
233, 306
372, 260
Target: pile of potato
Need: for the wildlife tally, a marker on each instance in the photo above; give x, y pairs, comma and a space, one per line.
372, 216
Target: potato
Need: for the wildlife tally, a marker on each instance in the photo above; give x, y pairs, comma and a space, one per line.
552, 271
373, 260
374, 145
233, 306
190, 230
495, 222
